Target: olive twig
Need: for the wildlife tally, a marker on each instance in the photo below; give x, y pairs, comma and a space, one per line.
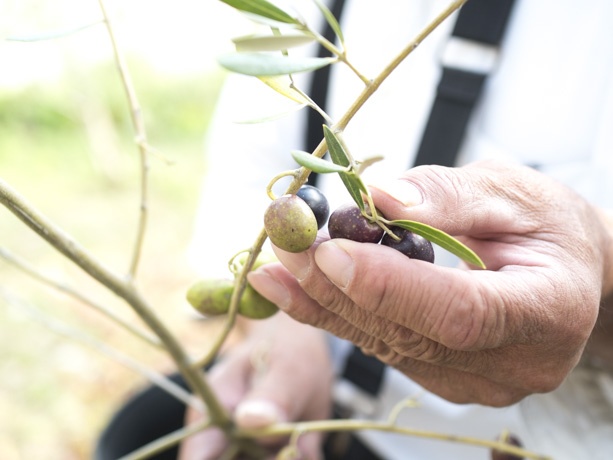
340, 54
141, 140
407, 403
285, 429
310, 102
291, 173
240, 283
37, 275
167, 441
123, 288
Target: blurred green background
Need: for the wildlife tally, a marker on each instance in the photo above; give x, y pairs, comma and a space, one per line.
66, 144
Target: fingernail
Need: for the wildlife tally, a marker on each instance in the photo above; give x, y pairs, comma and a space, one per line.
257, 414
298, 264
335, 262
269, 287
402, 191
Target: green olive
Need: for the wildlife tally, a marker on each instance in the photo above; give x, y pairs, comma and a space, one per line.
211, 297
290, 224
253, 305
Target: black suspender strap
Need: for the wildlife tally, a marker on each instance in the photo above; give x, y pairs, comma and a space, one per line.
480, 23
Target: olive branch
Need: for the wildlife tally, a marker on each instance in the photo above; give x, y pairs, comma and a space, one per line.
253, 57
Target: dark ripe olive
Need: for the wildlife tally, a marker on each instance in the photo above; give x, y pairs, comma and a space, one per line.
348, 222
410, 244
290, 224
211, 297
510, 439
317, 202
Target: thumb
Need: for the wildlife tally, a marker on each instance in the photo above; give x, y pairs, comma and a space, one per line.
482, 198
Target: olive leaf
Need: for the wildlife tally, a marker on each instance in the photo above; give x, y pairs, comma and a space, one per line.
250, 43
282, 84
442, 239
353, 183
262, 8
315, 164
331, 20
261, 64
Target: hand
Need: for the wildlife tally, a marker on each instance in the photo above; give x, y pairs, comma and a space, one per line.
486, 336
280, 373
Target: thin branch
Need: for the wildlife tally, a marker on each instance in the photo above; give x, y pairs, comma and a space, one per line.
123, 288
32, 272
167, 441
286, 429
70, 332
141, 140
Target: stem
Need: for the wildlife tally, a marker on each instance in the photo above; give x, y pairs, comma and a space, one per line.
404, 53
122, 288
341, 54
31, 271
166, 441
239, 286
141, 140
361, 425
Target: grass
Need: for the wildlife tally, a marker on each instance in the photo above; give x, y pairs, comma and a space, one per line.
67, 147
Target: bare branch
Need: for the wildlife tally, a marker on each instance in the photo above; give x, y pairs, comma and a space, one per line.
31, 271
140, 139
64, 329
123, 288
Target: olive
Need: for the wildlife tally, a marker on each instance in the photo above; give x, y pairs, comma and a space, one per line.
211, 297
410, 244
255, 306
317, 202
347, 221
290, 223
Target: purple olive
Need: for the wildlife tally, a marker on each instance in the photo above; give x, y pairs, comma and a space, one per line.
348, 222
410, 244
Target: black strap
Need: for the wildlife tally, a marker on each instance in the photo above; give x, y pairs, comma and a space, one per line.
481, 21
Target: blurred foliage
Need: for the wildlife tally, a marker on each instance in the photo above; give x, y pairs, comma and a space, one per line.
68, 147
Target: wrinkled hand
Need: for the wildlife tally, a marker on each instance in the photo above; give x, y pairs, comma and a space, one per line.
280, 373
487, 336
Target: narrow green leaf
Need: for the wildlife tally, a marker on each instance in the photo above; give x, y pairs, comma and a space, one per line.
331, 20
251, 43
353, 183
315, 164
442, 239
282, 84
262, 8
260, 64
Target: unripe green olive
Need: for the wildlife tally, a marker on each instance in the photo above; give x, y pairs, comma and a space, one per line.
253, 305
211, 297
290, 224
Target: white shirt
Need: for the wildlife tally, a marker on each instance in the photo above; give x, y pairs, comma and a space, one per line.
549, 102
